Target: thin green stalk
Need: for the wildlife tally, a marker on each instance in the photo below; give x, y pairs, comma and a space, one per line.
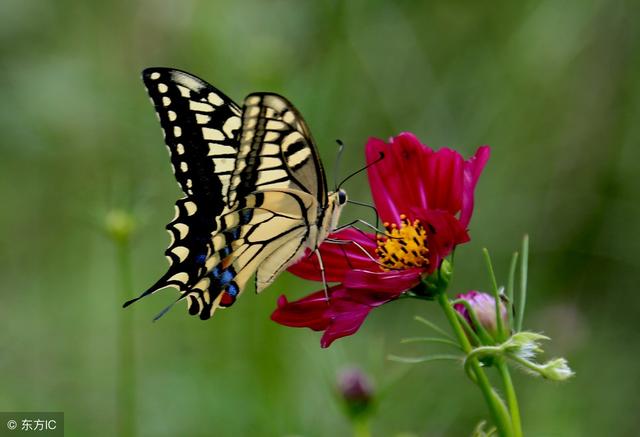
433, 326
361, 427
425, 359
510, 393
430, 340
511, 285
126, 365
496, 295
496, 405
522, 299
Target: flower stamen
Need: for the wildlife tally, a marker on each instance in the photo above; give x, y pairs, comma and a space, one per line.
405, 247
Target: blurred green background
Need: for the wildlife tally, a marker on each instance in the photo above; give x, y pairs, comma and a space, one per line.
553, 87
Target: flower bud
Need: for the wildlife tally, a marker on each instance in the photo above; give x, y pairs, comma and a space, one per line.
356, 391
119, 225
556, 370
484, 307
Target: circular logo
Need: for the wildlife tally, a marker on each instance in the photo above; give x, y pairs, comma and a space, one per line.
12, 424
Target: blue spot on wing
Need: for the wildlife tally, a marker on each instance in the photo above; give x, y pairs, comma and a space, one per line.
227, 276
233, 289
246, 216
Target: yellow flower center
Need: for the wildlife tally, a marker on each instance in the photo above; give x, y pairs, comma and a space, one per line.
404, 247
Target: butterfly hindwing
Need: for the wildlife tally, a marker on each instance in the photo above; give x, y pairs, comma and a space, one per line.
276, 150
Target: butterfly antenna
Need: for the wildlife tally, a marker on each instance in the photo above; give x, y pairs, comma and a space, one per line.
380, 158
336, 169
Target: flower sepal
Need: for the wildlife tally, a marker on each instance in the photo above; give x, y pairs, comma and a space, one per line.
430, 286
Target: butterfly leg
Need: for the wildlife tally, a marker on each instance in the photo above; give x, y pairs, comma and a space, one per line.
324, 278
362, 222
375, 210
359, 246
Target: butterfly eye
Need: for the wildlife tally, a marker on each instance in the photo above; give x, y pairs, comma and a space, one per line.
342, 197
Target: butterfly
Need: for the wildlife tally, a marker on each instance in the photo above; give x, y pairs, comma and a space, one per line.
255, 192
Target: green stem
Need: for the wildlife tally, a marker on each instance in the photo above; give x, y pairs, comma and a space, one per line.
361, 427
510, 394
522, 299
511, 285
126, 365
496, 405
496, 295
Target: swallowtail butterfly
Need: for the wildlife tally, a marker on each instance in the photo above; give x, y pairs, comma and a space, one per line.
255, 190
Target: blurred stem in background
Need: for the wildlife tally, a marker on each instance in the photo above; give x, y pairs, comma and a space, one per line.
120, 225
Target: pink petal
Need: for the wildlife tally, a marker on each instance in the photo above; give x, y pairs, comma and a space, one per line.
338, 258
310, 312
377, 288
472, 170
442, 176
347, 317
394, 181
444, 233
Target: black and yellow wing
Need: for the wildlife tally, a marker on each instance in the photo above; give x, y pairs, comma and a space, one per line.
254, 188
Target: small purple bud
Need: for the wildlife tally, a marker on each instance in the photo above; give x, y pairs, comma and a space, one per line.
484, 305
356, 390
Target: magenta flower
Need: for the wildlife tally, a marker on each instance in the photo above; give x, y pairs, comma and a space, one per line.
425, 199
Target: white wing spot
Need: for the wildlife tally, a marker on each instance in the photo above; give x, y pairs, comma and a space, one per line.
177, 131
166, 101
182, 277
163, 88
200, 106
172, 116
184, 92
183, 229
253, 111
215, 99
290, 118
184, 167
271, 136
181, 252
267, 162
271, 149
220, 149
276, 125
224, 164
155, 76
180, 148
230, 125
202, 119
299, 157
187, 80
190, 207
268, 176
212, 134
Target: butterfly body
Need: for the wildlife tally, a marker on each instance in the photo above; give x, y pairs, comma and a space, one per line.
255, 190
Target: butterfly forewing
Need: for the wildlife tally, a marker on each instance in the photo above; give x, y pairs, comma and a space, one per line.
253, 181
201, 127
276, 150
